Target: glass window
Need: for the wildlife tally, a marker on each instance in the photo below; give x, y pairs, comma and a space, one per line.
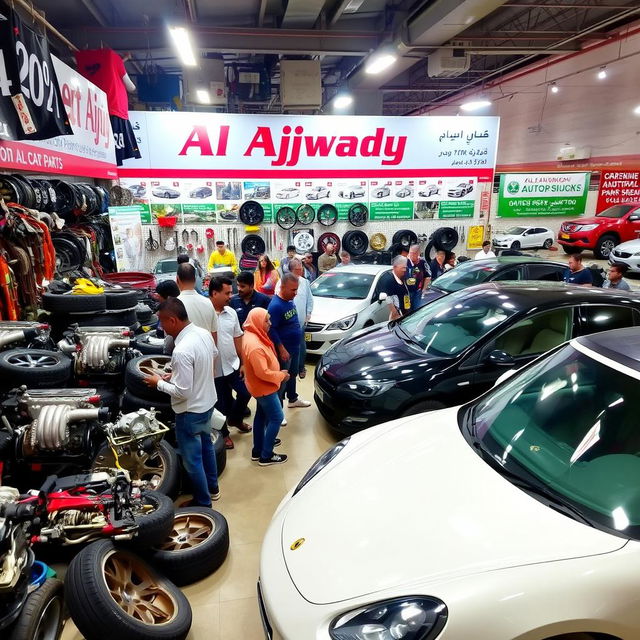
167, 266
567, 425
548, 272
602, 318
348, 286
514, 273
617, 211
537, 334
515, 231
449, 325
465, 275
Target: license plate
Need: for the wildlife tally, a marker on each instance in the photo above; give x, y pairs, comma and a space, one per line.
307, 337
320, 394
565, 236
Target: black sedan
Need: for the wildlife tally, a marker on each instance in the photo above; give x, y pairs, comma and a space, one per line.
472, 272
455, 348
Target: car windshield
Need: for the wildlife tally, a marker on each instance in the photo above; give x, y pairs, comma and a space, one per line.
449, 325
515, 231
167, 266
568, 424
465, 275
348, 286
617, 211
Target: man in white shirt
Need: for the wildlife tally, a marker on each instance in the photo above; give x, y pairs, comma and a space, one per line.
193, 395
199, 309
485, 252
304, 306
228, 371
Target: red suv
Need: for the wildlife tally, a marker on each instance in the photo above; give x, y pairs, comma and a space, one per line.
605, 230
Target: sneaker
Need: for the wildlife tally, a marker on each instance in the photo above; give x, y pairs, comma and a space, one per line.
243, 428
302, 374
256, 456
228, 443
284, 422
277, 442
276, 458
299, 403
215, 494
247, 413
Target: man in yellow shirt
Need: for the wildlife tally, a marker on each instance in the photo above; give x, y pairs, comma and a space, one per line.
222, 257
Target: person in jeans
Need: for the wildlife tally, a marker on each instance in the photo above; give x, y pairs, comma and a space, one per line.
193, 395
198, 308
286, 335
263, 378
418, 276
228, 370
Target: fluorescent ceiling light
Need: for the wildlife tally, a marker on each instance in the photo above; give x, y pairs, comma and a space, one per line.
554, 88
182, 42
377, 63
342, 101
203, 96
602, 74
474, 105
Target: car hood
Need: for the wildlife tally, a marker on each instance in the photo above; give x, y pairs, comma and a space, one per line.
591, 220
326, 310
415, 506
631, 246
505, 236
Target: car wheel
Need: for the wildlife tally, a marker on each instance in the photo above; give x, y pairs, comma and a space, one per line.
136, 372
571, 250
604, 246
35, 368
153, 513
548, 243
423, 407
42, 615
515, 246
445, 238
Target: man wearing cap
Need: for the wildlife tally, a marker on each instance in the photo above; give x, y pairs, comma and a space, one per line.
222, 257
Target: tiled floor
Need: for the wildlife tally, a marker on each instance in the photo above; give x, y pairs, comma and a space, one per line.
224, 605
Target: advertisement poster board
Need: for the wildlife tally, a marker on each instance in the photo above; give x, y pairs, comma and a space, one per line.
203, 166
542, 194
475, 237
617, 187
126, 232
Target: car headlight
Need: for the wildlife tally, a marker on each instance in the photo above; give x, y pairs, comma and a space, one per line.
410, 618
588, 227
636, 254
366, 388
343, 324
321, 463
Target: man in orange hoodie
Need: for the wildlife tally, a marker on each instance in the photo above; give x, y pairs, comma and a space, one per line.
263, 377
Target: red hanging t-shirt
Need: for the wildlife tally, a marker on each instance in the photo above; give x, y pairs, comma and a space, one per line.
105, 69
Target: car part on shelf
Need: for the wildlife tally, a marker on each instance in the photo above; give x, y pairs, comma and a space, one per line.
445, 238
405, 237
33, 335
355, 242
305, 214
303, 241
251, 212
111, 592
327, 215
358, 214
329, 238
253, 245
378, 241
286, 217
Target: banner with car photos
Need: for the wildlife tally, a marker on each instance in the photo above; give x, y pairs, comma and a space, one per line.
542, 194
126, 232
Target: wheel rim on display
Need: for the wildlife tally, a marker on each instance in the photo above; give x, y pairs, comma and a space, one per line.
328, 238
405, 237
378, 241
327, 215
152, 366
9, 190
134, 589
358, 214
286, 217
27, 361
251, 212
189, 530
253, 245
303, 242
357, 243
305, 214
49, 621
142, 466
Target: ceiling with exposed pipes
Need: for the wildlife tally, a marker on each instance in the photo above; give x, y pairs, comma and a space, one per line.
443, 47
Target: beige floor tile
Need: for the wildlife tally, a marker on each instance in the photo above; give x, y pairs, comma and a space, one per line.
240, 619
239, 574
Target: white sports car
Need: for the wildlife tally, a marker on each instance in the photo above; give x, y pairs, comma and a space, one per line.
516, 516
524, 238
288, 193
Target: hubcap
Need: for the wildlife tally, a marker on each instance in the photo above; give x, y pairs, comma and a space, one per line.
189, 530
607, 247
28, 361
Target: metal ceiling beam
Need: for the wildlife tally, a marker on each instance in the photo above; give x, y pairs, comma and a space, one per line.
336, 13
302, 13
262, 9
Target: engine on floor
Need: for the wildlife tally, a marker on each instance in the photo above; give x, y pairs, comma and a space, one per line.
99, 350
33, 335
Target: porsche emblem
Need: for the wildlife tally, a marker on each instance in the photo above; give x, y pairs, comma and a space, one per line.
297, 544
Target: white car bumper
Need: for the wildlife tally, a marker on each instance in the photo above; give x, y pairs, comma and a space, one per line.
632, 262
319, 342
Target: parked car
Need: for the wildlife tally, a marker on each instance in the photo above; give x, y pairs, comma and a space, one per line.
318, 192
138, 190
524, 238
460, 190
429, 190
404, 192
602, 232
352, 192
258, 193
380, 192
287, 193
627, 253
167, 269
515, 516
165, 192
201, 192
355, 286
473, 272
453, 349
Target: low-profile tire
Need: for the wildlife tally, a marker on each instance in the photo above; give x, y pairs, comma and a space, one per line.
515, 246
136, 371
404, 237
35, 368
445, 238
123, 318
104, 598
69, 302
144, 346
221, 451
604, 246
153, 526
423, 407
197, 545
160, 468
118, 299
42, 614
548, 243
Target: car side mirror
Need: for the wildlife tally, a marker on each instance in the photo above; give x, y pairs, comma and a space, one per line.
500, 358
634, 217
382, 296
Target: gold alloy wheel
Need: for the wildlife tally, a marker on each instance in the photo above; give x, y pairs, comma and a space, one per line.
149, 467
152, 367
136, 591
378, 241
189, 530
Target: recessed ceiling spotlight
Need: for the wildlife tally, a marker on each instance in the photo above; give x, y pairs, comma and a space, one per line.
602, 74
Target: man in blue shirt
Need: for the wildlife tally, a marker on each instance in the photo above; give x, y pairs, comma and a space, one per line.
577, 273
247, 297
286, 334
